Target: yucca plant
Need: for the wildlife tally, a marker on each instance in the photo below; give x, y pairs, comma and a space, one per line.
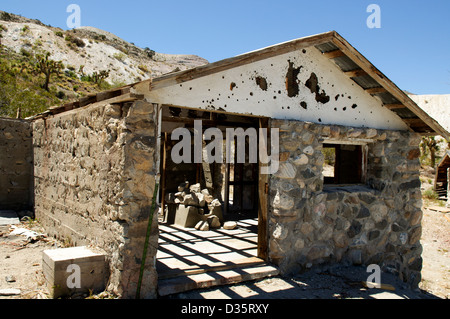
45, 65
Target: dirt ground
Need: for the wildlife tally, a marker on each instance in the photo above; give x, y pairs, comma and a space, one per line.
345, 282
21, 268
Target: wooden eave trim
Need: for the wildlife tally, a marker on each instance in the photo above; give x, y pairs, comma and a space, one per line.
376, 90
355, 73
388, 85
394, 106
333, 54
243, 59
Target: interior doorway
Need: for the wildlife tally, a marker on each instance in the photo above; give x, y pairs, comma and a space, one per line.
192, 192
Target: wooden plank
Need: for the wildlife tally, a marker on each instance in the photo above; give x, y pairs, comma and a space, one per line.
129, 97
333, 54
90, 99
163, 177
439, 209
108, 95
206, 167
219, 266
206, 123
415, 122
263, 204
125, 90
394, 106
378, 76
376, 90
369, 284
243, 59
355, 73
227, 188
179, 284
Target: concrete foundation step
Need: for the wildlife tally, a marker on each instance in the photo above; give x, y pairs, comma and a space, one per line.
211, 277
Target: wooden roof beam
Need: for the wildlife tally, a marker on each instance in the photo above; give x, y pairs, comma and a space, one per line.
376, 90
394, 106
355, 73
333, 54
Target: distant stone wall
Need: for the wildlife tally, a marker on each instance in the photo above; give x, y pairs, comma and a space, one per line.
94, 181
379, 222
16, 165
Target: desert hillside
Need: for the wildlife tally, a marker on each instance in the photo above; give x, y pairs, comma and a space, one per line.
85, 52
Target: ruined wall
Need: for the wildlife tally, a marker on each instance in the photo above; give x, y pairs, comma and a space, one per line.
94, 180
16, 165
378, 222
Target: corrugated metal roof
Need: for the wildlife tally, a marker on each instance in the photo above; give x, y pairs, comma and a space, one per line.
326, 47
366, 81
345, 63
404, 113
387, 98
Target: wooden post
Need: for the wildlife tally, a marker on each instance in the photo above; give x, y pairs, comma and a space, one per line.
163, 178
263, 195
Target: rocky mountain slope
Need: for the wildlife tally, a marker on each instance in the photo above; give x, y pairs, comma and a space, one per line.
97, 50
83, 51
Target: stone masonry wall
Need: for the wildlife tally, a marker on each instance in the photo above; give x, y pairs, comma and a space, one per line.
16, 165
94, 180
379, 222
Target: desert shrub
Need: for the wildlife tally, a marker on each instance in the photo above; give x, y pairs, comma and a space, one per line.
60, 95
71, 74
143, 68
96, 77
150, 53
5, 16
77, 41
25, 52
119, 56
430, 194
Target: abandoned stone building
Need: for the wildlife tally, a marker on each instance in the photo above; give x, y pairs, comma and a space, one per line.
346, 189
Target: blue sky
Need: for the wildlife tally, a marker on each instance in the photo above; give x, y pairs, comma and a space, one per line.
412, 47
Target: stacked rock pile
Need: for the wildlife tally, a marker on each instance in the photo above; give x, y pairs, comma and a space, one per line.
196, 207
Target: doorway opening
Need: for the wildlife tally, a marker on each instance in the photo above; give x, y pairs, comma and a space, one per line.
213, 215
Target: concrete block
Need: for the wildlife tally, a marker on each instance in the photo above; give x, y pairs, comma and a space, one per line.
171, 213
74, 270
187, 216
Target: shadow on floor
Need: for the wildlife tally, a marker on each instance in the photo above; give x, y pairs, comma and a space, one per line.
182, 249
335, 282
